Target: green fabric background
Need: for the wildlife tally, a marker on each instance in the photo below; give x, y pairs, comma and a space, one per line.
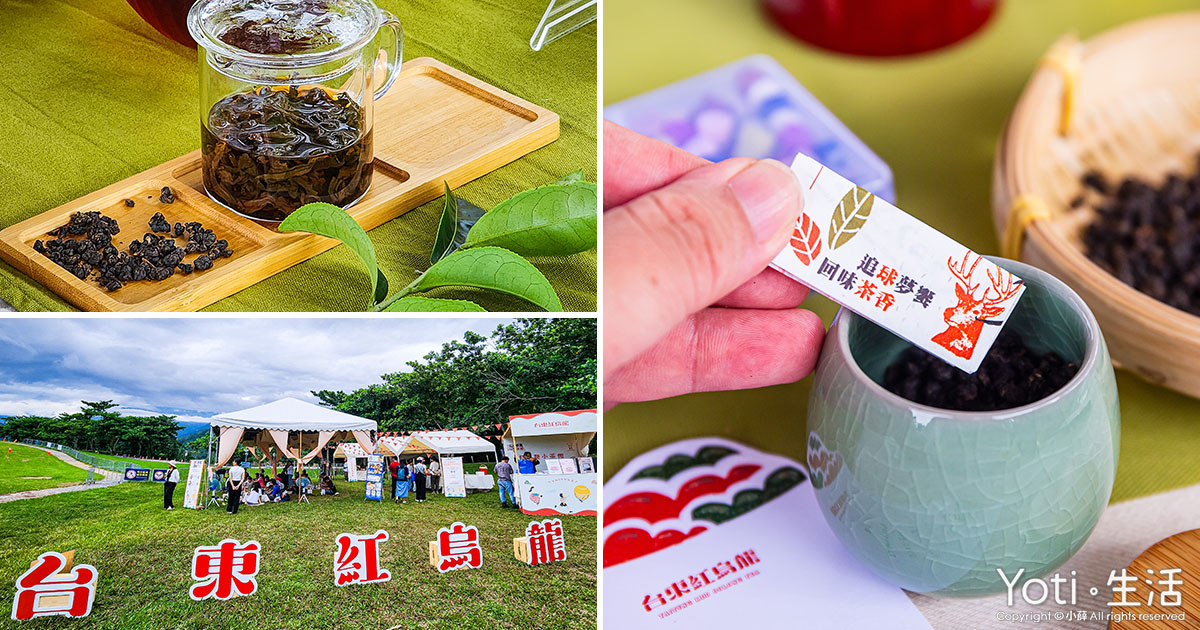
92, 94
935, 119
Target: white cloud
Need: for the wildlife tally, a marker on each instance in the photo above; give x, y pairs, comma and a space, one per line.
203, 366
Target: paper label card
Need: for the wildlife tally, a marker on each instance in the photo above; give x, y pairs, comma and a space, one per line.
884, 264
710, 533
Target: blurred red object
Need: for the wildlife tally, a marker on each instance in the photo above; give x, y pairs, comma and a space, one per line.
168, 17
880, 28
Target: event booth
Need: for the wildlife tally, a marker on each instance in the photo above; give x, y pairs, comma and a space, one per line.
287, 429
355, 460
565, 480
443, 443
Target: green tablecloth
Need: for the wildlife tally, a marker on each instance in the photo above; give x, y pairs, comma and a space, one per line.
935, 119
92, 94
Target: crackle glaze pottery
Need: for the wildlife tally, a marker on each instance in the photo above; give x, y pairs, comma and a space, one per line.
936, 501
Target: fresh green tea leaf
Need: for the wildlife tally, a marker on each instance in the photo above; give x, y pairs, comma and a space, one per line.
447, 227
570, 178
331, 221
489, 268
554, 220
381, 287
418, 304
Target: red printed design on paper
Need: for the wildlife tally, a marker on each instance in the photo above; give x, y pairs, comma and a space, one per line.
41, 590
806, 240
966, 319
546, 541
459, 548
357, 559
654, 507
696, 582
225, 570
626, 544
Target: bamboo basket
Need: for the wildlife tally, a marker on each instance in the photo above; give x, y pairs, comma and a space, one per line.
1126, 102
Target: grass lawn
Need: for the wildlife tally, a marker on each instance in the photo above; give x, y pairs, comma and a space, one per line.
144, 556
29, 461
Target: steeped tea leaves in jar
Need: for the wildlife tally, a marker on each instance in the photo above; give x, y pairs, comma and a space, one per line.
269, 151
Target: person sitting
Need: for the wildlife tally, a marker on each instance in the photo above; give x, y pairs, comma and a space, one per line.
252, 497
327, 486
275, 491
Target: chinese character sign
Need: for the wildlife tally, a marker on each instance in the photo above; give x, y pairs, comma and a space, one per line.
356, 560
225, 570
50, 587
458, 548
546, 541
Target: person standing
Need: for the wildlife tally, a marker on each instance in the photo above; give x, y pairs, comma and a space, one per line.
237, 478
169, 486
400, 491
504, 475
435, 472
419, 473
527, 465
394, 467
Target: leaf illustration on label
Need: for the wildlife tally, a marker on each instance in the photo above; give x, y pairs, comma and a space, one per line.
849, 216
806, 240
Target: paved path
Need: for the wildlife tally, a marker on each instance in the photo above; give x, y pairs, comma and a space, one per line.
104, 479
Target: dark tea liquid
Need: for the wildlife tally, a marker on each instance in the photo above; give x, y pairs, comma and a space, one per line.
270, 151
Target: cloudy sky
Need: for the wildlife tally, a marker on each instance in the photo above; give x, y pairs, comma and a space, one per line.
196, 368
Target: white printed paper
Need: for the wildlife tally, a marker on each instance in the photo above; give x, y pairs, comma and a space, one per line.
884, 264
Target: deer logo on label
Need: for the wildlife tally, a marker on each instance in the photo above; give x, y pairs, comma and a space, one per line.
966, 319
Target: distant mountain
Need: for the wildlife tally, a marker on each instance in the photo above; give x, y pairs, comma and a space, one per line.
191, 430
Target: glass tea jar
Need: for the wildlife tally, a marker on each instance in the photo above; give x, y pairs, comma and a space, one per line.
286, 95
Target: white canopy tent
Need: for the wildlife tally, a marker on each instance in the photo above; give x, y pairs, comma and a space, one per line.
441, 442
553, 434
288, 429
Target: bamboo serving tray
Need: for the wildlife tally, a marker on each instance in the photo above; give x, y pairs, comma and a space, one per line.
1126, 102
435, 123
1181, 551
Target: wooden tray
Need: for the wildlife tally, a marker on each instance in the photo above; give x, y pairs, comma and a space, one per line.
435, 123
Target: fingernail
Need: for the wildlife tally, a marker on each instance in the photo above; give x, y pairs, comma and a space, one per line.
768, 194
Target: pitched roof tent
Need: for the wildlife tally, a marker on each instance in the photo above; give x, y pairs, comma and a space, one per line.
290, 414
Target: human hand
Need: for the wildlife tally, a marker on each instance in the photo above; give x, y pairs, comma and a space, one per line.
689, 303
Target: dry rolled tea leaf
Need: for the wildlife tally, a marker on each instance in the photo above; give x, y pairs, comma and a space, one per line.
1012, 375
1148, 236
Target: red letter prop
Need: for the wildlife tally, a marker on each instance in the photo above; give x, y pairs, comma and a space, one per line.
52, 587
546, 541
226, 570
357, 559
458, 548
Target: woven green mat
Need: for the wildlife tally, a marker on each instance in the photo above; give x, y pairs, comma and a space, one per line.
92, 94
935, 119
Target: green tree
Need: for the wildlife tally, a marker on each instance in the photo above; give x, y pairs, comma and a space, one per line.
530, 366
98, 427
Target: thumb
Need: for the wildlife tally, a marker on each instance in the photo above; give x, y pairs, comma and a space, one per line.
680, 248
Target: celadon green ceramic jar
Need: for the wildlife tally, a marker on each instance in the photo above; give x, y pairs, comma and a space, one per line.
936, 501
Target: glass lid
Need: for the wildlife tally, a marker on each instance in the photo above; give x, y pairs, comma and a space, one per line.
273, 29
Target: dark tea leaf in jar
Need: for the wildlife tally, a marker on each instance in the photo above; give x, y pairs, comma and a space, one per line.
270, 151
